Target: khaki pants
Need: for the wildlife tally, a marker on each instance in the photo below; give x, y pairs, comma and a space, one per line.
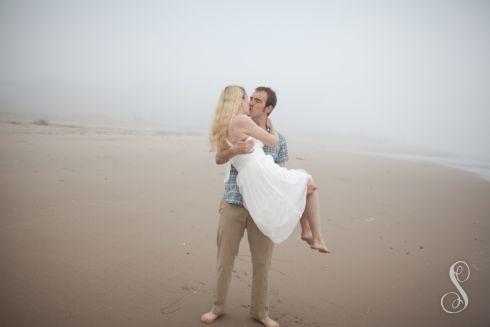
233, 219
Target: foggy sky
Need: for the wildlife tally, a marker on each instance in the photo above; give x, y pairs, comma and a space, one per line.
415, 71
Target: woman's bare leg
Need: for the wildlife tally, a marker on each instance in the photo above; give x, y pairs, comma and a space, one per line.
305, 226
305, 229
311, 216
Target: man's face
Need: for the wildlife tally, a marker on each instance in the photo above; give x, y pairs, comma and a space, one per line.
257, 104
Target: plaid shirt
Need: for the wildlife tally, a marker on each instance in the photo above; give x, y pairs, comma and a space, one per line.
279, 154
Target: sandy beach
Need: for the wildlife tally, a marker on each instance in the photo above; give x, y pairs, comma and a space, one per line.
112, 227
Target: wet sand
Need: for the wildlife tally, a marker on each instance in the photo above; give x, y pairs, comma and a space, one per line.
114, 227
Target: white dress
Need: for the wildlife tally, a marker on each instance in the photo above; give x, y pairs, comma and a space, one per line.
274, 196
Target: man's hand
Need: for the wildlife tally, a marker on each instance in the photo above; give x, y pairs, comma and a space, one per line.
241, 147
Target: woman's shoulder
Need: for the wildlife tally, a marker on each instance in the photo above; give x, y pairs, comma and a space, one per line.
241, 120
237, 127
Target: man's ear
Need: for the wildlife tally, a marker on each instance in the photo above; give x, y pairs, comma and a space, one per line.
268, 110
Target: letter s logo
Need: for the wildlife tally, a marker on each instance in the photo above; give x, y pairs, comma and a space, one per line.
454, 275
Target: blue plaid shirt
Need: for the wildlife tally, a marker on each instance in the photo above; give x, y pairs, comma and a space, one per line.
280, 155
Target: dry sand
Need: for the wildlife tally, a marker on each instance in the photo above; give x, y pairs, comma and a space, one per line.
104, 227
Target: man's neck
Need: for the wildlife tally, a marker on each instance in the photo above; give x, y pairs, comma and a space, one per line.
261, 121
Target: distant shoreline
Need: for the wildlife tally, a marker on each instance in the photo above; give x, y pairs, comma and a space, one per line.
340, 143
482, 169
103, 129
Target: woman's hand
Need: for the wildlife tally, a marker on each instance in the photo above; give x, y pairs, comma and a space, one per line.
269, 125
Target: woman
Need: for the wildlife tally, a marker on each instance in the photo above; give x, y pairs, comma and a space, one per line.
276, 197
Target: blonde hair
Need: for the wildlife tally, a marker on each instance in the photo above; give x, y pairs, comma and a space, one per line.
229, 105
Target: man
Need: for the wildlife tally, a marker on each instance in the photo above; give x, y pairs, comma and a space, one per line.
234, 219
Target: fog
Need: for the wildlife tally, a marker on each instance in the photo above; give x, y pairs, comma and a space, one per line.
412, 71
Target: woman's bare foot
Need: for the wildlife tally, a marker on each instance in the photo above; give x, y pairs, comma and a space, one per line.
268, 322
318, 244
209, 317
311, 187
307, 236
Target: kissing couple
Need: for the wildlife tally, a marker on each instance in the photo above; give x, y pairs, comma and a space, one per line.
261, 194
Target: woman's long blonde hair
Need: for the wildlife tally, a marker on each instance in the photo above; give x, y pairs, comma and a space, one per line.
229, 105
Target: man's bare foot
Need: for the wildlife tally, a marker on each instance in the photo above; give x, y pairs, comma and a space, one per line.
209, 317
307, 236
268, 322
318, 244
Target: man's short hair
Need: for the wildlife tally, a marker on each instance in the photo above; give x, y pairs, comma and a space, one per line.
271, 95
